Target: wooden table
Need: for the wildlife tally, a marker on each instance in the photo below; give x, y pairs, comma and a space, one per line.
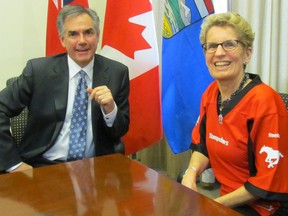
108, 186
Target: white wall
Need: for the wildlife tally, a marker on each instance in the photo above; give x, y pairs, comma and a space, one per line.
23, 33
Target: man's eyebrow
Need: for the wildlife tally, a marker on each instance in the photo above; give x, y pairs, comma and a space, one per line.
71, 31
86, 30
89, 29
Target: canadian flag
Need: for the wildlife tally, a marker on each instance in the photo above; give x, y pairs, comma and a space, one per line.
53, 45
129, 37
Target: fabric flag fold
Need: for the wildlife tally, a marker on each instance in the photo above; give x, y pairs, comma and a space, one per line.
53, 45
129, 37
184, 72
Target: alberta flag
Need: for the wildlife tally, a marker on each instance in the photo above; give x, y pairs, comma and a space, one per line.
184, 72
53, 45
129, 36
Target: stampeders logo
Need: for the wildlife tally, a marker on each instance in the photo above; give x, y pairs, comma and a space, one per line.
218, 139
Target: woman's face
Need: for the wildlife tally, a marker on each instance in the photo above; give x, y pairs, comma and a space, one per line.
225, 65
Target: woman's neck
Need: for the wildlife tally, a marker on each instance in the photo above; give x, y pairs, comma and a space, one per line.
228, 87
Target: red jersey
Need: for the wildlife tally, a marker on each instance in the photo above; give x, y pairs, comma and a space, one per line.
248, 143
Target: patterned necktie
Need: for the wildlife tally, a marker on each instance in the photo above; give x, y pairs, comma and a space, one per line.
78, 130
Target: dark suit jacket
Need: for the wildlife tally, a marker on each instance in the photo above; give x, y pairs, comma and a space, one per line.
43, 88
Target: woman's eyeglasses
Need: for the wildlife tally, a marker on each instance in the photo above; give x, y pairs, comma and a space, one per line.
227, 45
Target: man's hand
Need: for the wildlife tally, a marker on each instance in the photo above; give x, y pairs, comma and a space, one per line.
22, 167
103, 96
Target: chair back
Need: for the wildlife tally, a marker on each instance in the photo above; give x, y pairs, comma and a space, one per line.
18, 123
285, 99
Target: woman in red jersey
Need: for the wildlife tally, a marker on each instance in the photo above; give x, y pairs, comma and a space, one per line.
242, 129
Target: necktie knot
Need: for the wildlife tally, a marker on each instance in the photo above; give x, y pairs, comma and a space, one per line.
82, 74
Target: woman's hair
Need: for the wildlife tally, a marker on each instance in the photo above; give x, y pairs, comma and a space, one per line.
241, 26
70, 11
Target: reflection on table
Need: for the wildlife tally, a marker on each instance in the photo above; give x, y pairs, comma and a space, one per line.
109, 185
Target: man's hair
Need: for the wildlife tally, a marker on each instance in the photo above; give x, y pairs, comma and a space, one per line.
70, 11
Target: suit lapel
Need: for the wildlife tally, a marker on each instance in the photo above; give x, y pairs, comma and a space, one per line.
100, 77
60, 80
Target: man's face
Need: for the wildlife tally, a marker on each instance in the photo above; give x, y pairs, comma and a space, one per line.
80, 39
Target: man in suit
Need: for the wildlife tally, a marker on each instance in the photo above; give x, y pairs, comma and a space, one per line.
47, 87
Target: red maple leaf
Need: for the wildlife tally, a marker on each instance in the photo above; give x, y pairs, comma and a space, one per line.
121, 34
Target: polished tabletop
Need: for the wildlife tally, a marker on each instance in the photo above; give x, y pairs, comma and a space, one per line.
108, 186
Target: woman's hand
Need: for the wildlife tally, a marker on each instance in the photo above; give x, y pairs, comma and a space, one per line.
189, 178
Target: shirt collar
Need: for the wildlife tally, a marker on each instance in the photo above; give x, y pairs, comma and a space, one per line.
74, 68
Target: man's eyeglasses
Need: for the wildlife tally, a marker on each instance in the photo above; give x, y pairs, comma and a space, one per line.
227, 45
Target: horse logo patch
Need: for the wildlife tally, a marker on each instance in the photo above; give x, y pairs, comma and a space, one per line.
273, 156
